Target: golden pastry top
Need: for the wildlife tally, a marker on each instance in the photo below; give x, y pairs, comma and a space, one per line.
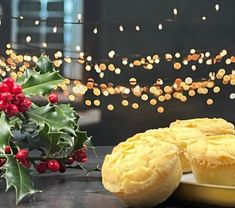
179, 136
134, 164
213, 150
209, 126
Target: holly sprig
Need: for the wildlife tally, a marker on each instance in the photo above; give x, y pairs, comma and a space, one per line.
37, 137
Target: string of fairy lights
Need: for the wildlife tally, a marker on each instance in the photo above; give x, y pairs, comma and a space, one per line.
154, 94
120, 25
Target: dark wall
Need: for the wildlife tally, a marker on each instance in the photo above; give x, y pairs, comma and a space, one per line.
5, 27
186, 32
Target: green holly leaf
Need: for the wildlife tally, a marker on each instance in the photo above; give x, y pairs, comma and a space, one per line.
44, 65
5, 132
18, 176
56, 117
68, 110
27, 74
80, 139
50, 140
41, 84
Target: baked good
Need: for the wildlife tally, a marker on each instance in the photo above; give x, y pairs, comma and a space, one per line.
213, 160
209, 126
143, 171
180, 137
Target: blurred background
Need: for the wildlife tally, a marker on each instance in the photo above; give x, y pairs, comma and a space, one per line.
174, 39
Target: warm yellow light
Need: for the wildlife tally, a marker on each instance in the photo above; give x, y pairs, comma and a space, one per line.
160, 109
161, 98
96, 91
216, 89
209, 101
88, 102
125, 102
191, 93
177, 55
117, 71
133, 81
71, 97
153, 101
110, 107
177, 66
135, 106
188, 80
96, 102
144, 97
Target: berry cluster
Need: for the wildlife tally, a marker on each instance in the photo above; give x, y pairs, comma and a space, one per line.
12, 99
55, 165
80, 155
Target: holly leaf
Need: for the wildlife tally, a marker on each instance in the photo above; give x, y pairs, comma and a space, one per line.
42, 84
5, 132
68, 111
56, 117
44, 65
29, 72
18, 176
50, 140
80, 139
69, 144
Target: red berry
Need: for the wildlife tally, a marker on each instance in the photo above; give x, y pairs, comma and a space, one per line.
25, 105
2, 161
62, 168
80, 156
7, 149
12, 110
16, 89
9, 81
53, 165
53, 98
20, 97
41, 167
70, 160
26, 163
4, 87
3, 105
22, 154
7, 96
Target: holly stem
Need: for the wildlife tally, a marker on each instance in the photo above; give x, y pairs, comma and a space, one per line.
46, 158
22, 117
78, 166
40, 158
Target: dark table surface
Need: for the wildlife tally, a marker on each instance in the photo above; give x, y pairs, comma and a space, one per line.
74, 189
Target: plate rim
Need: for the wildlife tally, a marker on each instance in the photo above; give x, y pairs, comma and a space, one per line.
206, 185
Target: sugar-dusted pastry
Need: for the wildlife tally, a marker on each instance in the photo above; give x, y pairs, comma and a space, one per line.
209, 126
143, 172
179, 136
213, 160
